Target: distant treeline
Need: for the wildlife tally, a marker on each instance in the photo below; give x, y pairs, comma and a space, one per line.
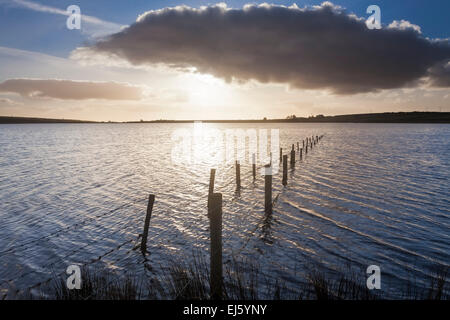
5, 120
387, 117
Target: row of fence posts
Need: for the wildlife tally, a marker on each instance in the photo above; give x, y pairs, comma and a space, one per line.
215, 209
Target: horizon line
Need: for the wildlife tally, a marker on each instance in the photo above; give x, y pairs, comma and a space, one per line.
291, 118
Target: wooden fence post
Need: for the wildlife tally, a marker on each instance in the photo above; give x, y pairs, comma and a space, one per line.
285, 169
281, 154
151, 201
254, 166
212, 177
238, 175
215, 228
293, 157
268, 189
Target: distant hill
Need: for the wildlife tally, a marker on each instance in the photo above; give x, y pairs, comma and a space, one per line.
5, 120
387, 117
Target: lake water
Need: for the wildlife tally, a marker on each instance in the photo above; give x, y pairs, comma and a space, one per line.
366, 194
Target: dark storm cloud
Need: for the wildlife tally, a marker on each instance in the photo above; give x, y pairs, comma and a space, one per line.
316, 48
440, 74
70, 90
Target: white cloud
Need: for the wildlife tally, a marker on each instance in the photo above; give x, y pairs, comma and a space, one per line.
8, 102
404, 25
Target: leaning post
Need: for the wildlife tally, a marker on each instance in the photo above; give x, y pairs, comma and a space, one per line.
151, 201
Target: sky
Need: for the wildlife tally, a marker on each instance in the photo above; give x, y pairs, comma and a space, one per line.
133, 60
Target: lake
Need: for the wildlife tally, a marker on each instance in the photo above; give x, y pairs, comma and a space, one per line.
367, 194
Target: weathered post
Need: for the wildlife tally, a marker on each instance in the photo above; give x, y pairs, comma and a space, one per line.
293, 157
151, 201
285, 167
215, 229
281, 154
254, 166
238, 175
212, 177
268, 189
301, 151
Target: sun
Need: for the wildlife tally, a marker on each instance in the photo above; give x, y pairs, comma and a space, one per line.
206, 91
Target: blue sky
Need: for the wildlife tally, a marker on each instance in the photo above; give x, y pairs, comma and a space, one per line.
26, 29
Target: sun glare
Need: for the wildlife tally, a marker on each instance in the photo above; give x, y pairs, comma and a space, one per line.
207, 91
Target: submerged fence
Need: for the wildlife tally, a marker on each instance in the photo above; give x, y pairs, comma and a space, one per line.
215, 214
214, 204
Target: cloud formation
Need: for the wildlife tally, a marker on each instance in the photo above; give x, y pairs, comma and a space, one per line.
6, 101
320, 47
70, 90
440, 75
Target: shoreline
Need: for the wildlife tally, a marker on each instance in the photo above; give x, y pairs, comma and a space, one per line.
387, 117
